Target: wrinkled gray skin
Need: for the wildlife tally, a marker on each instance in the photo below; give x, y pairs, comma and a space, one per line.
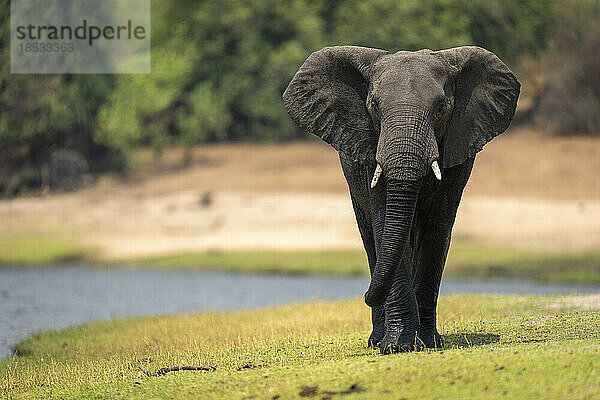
404, 111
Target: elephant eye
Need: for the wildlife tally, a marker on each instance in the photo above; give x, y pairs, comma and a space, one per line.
374, 106
441, 107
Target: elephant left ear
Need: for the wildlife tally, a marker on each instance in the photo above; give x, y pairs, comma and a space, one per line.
485, 99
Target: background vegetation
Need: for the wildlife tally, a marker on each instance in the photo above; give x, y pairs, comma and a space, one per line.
219, 68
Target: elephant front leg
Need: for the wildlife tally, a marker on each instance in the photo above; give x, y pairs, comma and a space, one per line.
401, 315
434, 229
378, 320
430, 265
369, 209
364, 221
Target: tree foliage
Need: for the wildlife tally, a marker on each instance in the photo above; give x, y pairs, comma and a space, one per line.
219, 68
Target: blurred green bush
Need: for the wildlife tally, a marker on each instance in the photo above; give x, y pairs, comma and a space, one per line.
219, 68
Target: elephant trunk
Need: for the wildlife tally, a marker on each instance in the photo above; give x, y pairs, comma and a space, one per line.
407, 151
401, 202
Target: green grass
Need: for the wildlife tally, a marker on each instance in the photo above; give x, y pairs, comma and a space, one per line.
329, 262
498, 346
48, 244
468, 260
464, 261
42, 248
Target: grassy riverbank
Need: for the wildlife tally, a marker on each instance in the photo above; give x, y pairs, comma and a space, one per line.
464, 261
510, 346
40, 248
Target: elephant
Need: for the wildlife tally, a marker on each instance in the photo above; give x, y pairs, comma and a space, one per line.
407, 127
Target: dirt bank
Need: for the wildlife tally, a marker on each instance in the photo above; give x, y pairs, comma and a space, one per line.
526, 191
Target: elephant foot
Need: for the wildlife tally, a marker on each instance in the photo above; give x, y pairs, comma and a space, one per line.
432, 339
400, 343
376, 337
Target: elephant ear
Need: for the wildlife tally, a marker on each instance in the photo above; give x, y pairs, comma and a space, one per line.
485, 99
327, 97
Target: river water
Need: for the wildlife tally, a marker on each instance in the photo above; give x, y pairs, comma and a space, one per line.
42, 298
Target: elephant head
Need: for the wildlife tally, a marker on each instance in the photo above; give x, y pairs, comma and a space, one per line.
406, 114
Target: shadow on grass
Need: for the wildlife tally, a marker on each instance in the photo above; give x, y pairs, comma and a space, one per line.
458, 340
72, 257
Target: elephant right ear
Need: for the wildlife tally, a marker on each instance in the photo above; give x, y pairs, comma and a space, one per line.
327, 97
485, 100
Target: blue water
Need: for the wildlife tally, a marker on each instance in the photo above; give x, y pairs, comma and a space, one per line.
34, 299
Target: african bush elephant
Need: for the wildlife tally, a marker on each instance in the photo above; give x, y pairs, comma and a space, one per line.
407, 127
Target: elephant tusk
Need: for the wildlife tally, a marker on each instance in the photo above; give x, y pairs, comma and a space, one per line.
376, 175
436, 170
